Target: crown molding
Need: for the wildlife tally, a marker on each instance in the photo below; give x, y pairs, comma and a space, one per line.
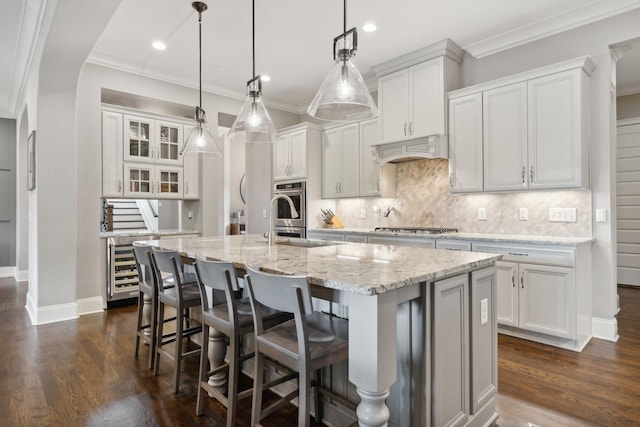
592, 12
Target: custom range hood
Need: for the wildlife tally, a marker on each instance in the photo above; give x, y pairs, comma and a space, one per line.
412, 102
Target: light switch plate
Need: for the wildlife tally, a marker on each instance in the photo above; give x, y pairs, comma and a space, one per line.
563, 214
482, 214
524, 214
601, 215
484, 311
363, 213
264, 213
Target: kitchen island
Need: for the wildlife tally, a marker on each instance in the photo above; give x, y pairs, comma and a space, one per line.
422, 322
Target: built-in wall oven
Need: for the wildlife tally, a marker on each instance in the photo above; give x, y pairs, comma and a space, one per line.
284, 224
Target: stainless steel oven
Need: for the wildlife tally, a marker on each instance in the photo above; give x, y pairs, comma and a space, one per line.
299, 232
297, 192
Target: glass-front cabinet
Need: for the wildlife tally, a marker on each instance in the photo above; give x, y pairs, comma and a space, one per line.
153, 181
139, 146
169, 142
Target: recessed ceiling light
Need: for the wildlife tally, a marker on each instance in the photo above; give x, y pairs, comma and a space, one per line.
159, 45
369, 27
265, 78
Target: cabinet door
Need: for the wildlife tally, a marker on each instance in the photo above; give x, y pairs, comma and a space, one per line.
505, 138
402, 241
393, 105
138, 139
427, 99
507, 289
298, 154
169, 182
330, 163
555, 133
139, 180
450, 351
484, 338
369, 169
281, 158
169, 143
111, 154
349, 160
465, 144
548, 300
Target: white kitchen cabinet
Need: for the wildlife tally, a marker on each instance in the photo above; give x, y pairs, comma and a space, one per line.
153, 181
112, 184
402, 241
453, 245
505, 138
169, 142
558, 131
340, 161
543, 293
139, 142
412, 101
534, 130
290, 155
375, 180
465, 144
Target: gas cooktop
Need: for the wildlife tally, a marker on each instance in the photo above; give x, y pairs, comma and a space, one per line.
417, 230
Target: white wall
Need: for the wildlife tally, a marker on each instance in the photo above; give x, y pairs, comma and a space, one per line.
593, 40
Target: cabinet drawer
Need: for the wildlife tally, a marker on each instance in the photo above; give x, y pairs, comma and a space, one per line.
453, 245
530, 254
402, 241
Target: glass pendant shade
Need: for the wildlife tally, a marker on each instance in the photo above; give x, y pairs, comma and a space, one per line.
200, 141
343, 95
253, 124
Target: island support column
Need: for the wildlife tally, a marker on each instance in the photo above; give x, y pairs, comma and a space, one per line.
372, 354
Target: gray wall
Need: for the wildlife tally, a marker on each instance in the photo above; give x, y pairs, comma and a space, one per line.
7, 192
628, 106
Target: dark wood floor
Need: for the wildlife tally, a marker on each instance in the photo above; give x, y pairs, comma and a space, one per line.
83, 372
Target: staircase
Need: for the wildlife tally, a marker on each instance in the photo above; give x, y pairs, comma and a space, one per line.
126, 215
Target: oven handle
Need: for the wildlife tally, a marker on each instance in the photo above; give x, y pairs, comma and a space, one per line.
288, 192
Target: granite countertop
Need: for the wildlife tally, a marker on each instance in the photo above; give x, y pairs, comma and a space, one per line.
364, 269
480, 237
142, 233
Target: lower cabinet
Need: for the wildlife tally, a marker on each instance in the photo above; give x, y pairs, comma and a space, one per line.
464, 347
402, 241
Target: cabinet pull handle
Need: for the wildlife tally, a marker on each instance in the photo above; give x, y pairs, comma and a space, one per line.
524, 173
119, 185
522, 280
186, 185
513, 279
405, 129
451, 180
518, 253
340, 187
378, 185
152, 189
531, 175
410, 128
336, 188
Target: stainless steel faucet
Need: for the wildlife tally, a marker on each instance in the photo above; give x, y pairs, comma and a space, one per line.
294, 214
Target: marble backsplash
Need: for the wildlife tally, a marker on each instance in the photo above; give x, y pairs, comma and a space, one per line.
423, 200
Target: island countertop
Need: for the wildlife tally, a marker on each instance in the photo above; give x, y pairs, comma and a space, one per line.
365, 269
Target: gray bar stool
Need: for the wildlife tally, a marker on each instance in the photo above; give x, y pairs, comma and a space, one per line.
176, 289
309, 342
234, 319
147, 301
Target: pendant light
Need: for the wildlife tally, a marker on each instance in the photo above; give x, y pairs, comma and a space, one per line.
343, 95
200, 139
253, 123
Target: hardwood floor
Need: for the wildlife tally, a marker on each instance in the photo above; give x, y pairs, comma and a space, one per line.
83, 372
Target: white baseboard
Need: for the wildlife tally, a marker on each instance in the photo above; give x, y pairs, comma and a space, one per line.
22, 276
90, 305
605, 329
7, 272
51, 313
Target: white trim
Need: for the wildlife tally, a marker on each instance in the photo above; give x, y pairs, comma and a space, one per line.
90, 305
21, 275
605, 329
628, 122
627, 90
7, 272
565, 21
51, 313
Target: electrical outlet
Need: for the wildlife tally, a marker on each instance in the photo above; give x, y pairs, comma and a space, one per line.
482, 214
264, 213
562, 214
190, 215
363, 213
484, 311
524, 214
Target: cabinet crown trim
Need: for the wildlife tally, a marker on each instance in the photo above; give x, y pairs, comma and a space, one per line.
584, 62
443, 48
299, 126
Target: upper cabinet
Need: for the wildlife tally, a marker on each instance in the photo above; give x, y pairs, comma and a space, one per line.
141, 158
533, 127
412, 92
375, 180
290, 151
340, 161
465, 144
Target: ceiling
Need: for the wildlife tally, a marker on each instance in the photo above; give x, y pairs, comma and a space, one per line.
294, 37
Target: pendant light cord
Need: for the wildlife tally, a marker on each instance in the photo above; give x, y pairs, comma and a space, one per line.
344, 28
200, 54
253, 35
